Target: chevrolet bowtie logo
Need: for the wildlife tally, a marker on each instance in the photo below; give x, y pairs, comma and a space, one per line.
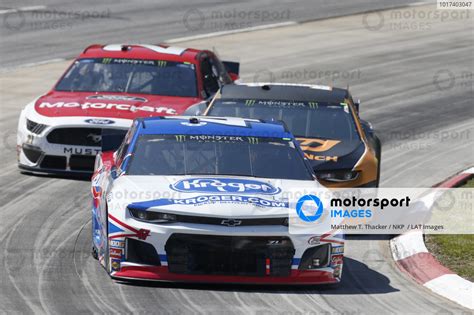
231, 222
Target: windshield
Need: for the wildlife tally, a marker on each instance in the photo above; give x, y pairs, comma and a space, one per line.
157, 77
217, 155
304, 119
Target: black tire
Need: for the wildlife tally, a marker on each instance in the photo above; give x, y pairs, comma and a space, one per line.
107, 258
94, 251
378, 155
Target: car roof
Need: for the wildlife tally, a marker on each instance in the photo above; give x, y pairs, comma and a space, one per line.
284, 91
228, 126
141, 51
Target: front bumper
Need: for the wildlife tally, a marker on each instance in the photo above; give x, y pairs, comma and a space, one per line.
54, 171
161, 273
57, 159
37, 152
349, 184
218, 254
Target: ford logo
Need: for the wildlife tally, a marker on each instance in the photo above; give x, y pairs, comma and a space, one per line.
224, 185
97, 121
117, 98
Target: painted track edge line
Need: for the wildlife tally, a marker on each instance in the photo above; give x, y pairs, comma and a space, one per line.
229, 32
413, 258
222, 33
33, 64
291, 23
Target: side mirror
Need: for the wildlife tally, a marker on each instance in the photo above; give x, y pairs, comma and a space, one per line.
232, 67
233, 76
357, 105
211, 85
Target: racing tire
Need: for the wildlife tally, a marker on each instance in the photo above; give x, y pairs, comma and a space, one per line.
95, 253
378, 155
106, 255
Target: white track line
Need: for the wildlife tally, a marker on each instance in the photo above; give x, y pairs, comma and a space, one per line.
221, 33
24, 9
269, 26
417, 4
32, 64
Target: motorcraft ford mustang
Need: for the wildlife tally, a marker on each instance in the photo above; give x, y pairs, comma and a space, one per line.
105, 88
342, 148
202, 199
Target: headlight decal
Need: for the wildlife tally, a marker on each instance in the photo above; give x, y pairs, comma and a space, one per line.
35, 127
338, 176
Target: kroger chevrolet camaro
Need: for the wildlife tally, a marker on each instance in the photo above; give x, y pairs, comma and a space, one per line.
342, 148
203, 199
105, 88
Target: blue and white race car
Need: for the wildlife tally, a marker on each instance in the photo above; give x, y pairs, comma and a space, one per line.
203, 199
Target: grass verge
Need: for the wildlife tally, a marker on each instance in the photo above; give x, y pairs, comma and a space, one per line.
456, 252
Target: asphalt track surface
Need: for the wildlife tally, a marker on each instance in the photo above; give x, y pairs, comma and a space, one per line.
50, 29
415, 84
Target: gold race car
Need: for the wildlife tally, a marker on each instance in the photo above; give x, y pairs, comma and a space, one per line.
342, 148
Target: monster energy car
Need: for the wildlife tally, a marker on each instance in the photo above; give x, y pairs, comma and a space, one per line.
206, 200
103, 90
342, 148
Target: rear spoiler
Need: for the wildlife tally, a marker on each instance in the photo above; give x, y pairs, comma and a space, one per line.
112, 139
232, 66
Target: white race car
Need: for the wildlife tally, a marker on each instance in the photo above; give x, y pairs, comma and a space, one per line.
103, 90
205, 199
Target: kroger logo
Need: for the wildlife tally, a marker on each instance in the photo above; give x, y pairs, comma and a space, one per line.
96, 121
224, 185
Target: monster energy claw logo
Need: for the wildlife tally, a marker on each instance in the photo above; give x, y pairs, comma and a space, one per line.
249, 102
252, 140
180, 138
107, 60
161, 63
313, 105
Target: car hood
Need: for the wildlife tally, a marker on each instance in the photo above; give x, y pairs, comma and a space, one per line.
332, 154
110, 105
209, 195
